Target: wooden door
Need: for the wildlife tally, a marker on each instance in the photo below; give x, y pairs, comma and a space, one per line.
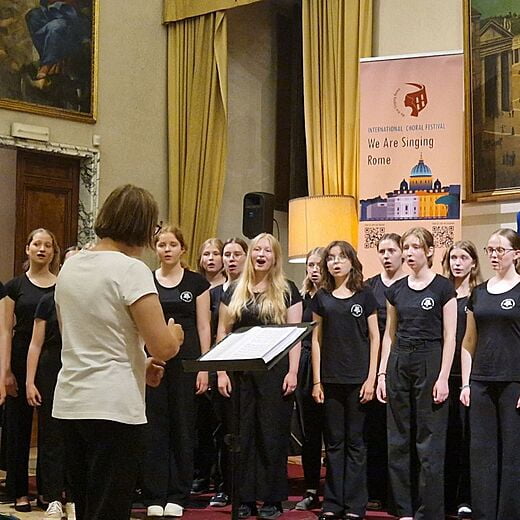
47, 193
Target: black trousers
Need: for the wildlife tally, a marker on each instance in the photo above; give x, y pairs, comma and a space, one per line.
456, 467
377, 451
104, 458
18, 425
415, 422
311, 422
205, 424
495, 453
167, 473
346, 479
223, 409
265, 422
52, 471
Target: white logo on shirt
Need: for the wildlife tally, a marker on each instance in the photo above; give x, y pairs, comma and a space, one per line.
427, 304
356, 310
186, 296
507, 304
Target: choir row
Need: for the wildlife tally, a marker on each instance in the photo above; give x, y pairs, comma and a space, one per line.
417, 342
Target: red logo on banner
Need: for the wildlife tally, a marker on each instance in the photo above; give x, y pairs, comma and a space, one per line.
417, 99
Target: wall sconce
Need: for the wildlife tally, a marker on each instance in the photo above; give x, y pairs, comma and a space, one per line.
317, 221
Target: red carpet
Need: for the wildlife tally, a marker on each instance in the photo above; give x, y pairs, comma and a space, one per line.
296, 488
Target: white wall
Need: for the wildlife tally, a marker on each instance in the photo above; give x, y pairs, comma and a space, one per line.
7, 212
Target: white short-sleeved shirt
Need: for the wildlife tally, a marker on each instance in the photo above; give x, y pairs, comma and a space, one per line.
103, 359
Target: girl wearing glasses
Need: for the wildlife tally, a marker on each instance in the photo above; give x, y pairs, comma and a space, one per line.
184, 296
461, 265
262, 296
491, 382
310, 413
416, 358
391, 258
234, 256
345, 349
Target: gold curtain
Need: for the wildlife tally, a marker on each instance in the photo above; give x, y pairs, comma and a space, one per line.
197, 125
336, 33
175, 10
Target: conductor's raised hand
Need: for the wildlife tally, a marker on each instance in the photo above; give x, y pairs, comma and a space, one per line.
154, 371
224, 384
176, 331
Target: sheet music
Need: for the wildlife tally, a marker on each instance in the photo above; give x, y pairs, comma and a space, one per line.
256, 343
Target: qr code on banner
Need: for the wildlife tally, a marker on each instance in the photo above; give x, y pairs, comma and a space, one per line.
443, 235
373, 235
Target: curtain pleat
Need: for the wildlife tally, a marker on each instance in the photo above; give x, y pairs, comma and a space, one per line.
197, 125
336, 33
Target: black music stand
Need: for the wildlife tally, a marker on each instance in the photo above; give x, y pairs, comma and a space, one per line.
238, 367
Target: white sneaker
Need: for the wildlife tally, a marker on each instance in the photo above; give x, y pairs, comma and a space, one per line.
172, 509
156, 511
54, 510
70, 509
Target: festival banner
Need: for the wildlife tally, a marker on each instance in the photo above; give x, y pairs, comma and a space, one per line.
411, 150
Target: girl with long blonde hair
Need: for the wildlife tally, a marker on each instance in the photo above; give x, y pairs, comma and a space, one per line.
263, 296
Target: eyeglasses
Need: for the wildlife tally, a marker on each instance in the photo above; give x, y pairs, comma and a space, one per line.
158, 228
340, 259
500, 251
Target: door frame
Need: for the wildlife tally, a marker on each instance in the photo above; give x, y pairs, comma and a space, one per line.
88, 178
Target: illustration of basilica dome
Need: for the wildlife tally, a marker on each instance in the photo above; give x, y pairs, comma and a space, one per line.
421, 176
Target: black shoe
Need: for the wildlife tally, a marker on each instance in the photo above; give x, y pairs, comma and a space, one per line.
246, 510
22, 508
200, 486
309, 501
328, 515
270, 511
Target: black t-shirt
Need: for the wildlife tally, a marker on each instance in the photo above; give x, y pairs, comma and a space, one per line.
3, 293
249, 317
456, 369
180, 303
497, 317
378, 288
419, 312
26, 296
345, 349
51, 352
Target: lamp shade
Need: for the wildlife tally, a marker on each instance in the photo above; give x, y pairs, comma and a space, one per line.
317, 221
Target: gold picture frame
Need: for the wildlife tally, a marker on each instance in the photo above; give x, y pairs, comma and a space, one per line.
48, 57
492, 84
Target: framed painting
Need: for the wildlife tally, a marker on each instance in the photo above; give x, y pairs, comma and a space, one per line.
48, 57
492, 83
